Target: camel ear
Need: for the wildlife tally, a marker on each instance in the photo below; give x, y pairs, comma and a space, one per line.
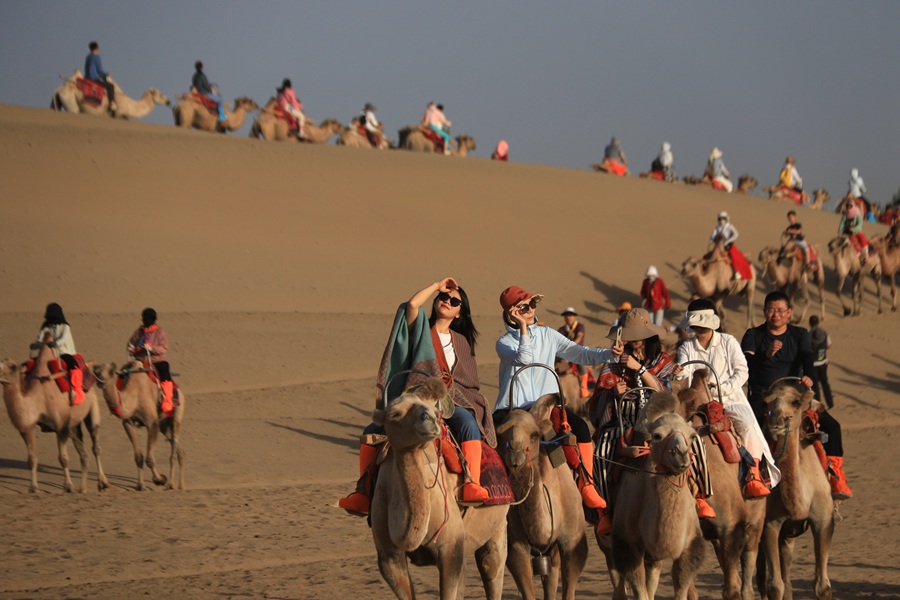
433, 389
541, 409
503, 428
378, 416
545, 425
808, 396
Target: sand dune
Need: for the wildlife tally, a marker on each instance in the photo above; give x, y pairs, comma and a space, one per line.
276, 269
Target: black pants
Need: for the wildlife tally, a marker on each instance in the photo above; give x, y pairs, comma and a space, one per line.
820, 384
579, 425
834, 446
110, 88
162, 370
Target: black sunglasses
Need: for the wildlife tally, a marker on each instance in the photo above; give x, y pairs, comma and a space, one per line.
532, 304
445, 297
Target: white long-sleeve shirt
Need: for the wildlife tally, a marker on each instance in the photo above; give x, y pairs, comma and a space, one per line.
62, 335
728, 232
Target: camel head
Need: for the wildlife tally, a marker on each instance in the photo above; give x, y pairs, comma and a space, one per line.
105, 373
158, 97
333, 125
411, 420
9, 371
669, 434
837, 244
464, 141
697, 393
690, 266
519, 438
246, 103
784, 408
767, 255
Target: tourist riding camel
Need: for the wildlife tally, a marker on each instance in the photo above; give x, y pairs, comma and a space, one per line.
435, 120
614, 159
851, 226
150, 344
525, 343
371, 127
794, 233
443, 345
93, 71
728, 233
201, 85
717, 173
289, 103
612, 408
856, 187
790, 184
61, 334
662, 167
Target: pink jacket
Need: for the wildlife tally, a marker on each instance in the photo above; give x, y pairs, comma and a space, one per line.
158, 340
436, 117
288, 99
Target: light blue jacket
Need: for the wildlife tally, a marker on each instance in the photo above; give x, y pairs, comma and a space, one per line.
542, 345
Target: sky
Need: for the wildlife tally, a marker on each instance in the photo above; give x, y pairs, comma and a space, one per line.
818, 80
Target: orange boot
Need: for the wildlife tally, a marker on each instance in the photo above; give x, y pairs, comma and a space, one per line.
704, 510
604, 527
589, 494
754, 487
839, 488
76, 385
168, 388
358, 502
472, 492
585, 392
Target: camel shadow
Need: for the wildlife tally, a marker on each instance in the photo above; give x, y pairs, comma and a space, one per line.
349, 443
614, 294
361, 411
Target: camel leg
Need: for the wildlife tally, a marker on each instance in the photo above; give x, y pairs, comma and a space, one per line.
550, 583
685, 569
77, 435
877, 277
822, 533
131, 432
630, 564
573, 561
395, 571
62, 442
821, 285
728, 551
786, 549
840, 288
92, 422
774, 588
491, 559
450, 563
653, 569
755, 516
177, 453
518, 561
152, 434
30, 445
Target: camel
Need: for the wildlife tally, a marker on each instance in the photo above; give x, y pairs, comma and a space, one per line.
34, 399
412, 138
570, 386
136, 405
779, 194
890, 262
269, 127
785, 272
550, 518
713, 278
190, 113
746, 184
846, 262
414, 513
820, 197
351, 137
655, 518
802, 498
737, 528
69, 98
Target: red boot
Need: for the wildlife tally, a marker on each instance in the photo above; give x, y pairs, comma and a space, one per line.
704, 510
472, 492
359, 501
589, 494
838, 480
168, 389
754, 487
604, 527
76, 385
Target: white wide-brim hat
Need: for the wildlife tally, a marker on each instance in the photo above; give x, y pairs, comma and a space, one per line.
702, 318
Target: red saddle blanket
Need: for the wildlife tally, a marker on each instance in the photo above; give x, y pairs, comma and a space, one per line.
718, 426
211, 105
434, 137
494, 477
292, 122
124, 376
84, 376
793, 194
94, 93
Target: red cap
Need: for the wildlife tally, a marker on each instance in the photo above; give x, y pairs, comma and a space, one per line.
513, 295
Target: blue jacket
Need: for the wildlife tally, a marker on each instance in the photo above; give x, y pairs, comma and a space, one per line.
541, 345
93, 68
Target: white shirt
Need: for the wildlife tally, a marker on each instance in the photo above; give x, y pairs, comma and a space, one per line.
728, 232
62, 335
447, 345
728, 361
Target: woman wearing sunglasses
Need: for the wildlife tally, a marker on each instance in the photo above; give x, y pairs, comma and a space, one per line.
526, 342
443, 345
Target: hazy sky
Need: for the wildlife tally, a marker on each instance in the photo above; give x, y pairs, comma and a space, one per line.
819, 80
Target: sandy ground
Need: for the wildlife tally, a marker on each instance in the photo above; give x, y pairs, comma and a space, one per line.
276, 269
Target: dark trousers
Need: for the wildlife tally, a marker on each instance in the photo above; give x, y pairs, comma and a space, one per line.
162, 370
820, 384
834, 446
110, 88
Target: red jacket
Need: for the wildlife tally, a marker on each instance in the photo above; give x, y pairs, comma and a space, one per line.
655, 295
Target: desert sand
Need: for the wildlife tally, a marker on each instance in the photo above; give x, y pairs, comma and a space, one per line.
276, 269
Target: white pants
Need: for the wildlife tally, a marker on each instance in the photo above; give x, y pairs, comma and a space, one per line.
748, 429
726, 183
657, 316
301, 118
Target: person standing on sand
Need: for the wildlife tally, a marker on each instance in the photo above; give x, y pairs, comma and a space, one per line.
442, 344
655, 295
821, 343
93, 71
574, 331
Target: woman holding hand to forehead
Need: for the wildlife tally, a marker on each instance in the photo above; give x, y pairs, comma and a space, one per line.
526, 342
443, 345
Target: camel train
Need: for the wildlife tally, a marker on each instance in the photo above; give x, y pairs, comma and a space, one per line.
71, 97
273, 123
193, 112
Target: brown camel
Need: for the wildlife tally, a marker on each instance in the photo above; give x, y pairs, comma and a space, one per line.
779, 194
350, 136
190, 113
737, 528
820, 197
33, 399
890, 263
412, 138
846, 262
570, 386
269, 127
712, 277
414, 511
803, 498
746, 184
655, 517
136, 404
784, 270
550, 518
69, 98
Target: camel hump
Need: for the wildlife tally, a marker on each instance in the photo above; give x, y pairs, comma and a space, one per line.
659, 404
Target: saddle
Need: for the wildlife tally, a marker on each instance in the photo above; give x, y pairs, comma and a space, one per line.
94, 93
125, 375
720, 430
62, 375
791, 193
211, 105
434, 137
811, 432
292, 122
